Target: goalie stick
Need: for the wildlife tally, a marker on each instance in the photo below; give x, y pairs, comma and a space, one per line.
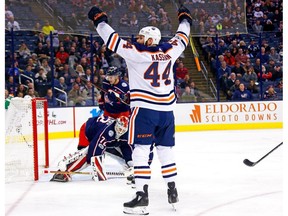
251, 164
111, 174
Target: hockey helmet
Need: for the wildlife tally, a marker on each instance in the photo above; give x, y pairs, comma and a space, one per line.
121, 126
113, 71
151, 32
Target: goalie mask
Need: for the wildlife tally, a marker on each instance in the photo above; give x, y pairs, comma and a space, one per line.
151, 32
121, 126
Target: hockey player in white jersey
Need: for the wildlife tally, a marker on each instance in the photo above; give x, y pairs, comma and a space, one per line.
152, 99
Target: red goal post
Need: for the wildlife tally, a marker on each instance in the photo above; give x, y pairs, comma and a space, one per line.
26, 139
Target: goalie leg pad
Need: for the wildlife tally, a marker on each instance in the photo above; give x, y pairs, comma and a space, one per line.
74, 162
99, 172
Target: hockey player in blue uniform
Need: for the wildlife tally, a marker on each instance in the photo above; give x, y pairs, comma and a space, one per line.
152, 99
96, 135
115, 89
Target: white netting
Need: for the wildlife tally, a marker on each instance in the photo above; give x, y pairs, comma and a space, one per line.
19, 145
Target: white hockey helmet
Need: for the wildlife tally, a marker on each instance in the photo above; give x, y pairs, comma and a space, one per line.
151, 32
121, 126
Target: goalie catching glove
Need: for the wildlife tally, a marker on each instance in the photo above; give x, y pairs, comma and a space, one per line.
184, 13
97, 16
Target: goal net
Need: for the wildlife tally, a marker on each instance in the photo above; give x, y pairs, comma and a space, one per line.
26, 139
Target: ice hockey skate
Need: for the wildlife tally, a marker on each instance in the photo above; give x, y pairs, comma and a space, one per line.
138, 205
172, 194
59, 177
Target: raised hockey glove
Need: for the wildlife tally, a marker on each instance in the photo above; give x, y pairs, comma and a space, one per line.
184, 13
97, 16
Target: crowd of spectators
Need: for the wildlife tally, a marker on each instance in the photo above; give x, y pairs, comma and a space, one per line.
237, 61
243, 56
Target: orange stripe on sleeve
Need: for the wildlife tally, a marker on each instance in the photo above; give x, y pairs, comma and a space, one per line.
115, 36
183, 37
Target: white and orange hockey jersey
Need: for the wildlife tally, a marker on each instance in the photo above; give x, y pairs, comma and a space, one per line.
150, 69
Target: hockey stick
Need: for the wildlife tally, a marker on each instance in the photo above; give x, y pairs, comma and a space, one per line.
103, 90
251, 164
118, 174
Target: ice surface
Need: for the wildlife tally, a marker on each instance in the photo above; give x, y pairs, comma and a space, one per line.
212, 181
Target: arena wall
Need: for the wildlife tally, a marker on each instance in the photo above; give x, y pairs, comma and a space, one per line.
66, 122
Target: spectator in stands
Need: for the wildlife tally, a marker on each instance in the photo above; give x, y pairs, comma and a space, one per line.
278, 73
257, 26
238, 37
11, 86
62, 86
263, 56
242, 94
124, 20
21, 89
229, 59
187, 96
66, 74
226, 23
76, 97
250, 75
270, 93
45, 65
92, 90
31, 92
24, 52
103, 61
134, 21
153, 19
29, 73
253, 48
185, 82
87, 75
55, 40
62, 55
41, 51
58, 66
181, 71
223, 73
165, 22
195, 91
14, 71
41, 39
238, 69
274, 55
222, 47
241, 57
8, 13
52, 102
37, 28
277, 16
47, 28
252, 87
266, 75
13, 24
268, 26
258, 13
73, 58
